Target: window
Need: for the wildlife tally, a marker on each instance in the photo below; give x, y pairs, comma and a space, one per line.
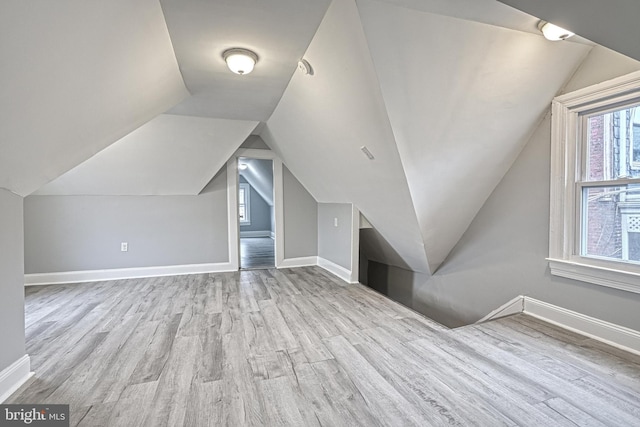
595, 184
244, 208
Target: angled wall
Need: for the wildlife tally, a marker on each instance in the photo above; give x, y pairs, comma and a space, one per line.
169, 155
463, 98
323, 120
502, 254
78, 76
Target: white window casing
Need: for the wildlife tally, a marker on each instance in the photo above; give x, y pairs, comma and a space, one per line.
567, 156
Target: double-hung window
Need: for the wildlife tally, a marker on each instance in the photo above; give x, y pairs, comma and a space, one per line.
595, 184
244, 205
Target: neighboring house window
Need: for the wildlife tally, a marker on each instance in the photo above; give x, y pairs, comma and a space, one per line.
595, 184
244, 207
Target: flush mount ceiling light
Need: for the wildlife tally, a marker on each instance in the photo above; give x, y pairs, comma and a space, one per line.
243, 166
553, 32
240, 61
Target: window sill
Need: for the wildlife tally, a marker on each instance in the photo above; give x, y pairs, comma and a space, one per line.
604, 276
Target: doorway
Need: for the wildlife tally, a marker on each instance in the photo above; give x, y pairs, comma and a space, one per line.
256, 213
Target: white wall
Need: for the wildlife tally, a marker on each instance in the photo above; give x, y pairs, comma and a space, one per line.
11, 279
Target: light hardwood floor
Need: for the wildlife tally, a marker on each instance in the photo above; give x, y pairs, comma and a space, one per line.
299, 347
257, 252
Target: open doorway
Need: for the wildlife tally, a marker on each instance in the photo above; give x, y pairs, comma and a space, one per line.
256, 214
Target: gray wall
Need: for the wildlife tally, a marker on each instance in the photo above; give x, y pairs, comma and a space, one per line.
334, 243
260, 212
300, 219
72, 233
502, 253
11, 279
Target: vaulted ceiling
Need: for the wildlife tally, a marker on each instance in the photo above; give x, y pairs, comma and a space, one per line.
134, 98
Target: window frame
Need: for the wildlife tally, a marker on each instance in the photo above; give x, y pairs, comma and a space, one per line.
567, 159
246, 188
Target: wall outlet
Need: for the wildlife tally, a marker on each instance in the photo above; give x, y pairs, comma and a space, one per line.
124, 247
335, 222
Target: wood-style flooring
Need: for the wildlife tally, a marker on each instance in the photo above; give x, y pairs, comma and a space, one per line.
257, 252
299, 347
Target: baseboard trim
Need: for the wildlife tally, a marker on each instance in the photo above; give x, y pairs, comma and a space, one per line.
12, 377
336, 269
600, 330
265, 233
123, 273
514, 306
298, 262
609, 333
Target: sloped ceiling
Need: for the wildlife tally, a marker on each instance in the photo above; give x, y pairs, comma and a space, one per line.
279, 31
463, 98
610, 23
259, 173
77, 76
170, 155
322, 121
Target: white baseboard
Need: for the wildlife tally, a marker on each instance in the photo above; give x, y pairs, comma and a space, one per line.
123, 273
336, 269
298, 262
265, 233
514, 306
14, 376
600, 330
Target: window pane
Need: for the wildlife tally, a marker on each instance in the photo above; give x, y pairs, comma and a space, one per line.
613, 145
241, 213
611, 223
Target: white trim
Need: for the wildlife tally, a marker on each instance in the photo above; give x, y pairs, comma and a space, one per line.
272, 235
612, 278
299, 262
608, 333
564, 222
355, 245
599, 330
278, 208
124, 273
12, 377
232, 212
232, 202
335, 269
514, 306
264, 233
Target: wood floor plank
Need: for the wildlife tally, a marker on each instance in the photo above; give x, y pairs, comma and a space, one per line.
301, 347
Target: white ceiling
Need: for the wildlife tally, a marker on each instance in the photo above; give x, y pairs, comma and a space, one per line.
460, 121
279, 31
170, 155
77, 76
610, 23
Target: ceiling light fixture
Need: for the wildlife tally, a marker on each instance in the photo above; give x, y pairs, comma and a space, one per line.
553, 32
240, 61
243, 166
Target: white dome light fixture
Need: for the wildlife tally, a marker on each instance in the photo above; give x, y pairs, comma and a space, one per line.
553, 32
240, 61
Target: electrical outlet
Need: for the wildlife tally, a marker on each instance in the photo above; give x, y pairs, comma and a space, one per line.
124, 247
335, 222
